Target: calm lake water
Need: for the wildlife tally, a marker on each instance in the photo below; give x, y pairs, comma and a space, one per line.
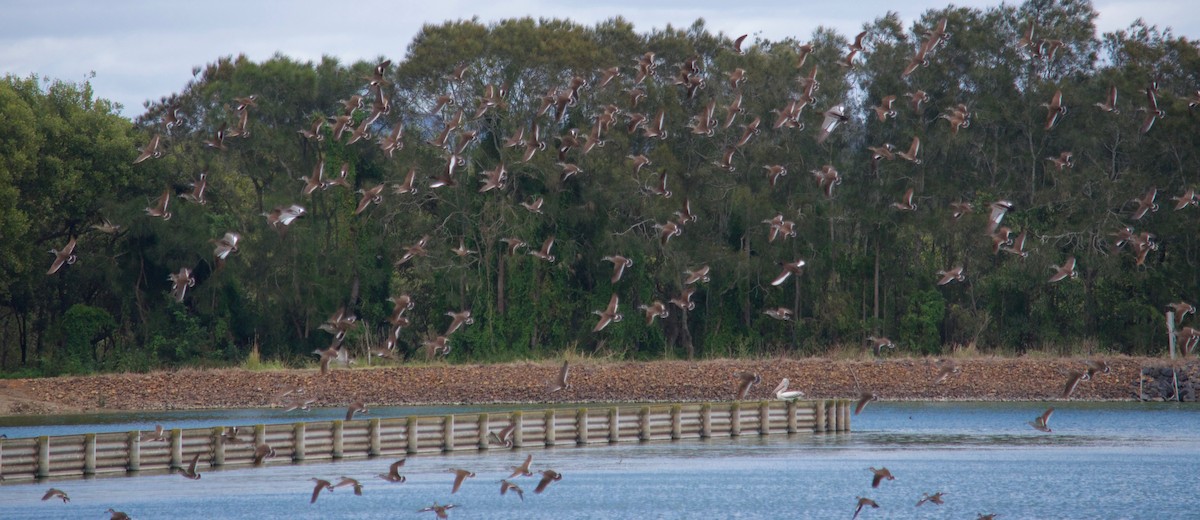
1103, 461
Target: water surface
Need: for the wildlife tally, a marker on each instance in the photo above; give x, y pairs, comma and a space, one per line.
1105, 460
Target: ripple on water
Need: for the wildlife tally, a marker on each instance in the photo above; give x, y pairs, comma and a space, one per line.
1113, 460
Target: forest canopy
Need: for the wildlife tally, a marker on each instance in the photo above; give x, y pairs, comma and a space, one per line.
875, 218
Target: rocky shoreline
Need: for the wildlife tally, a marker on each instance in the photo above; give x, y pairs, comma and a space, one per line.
984, 379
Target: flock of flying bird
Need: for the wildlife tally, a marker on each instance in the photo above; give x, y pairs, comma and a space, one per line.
574, 144
263, 452
504, 437
454, 138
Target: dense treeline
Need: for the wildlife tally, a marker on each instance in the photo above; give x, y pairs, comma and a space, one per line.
67, 165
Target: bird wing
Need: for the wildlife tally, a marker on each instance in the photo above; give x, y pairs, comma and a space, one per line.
394, 469
744, 388
1073, 379
547, 478
459, 477
562, 374
260, 452
618, 270
1149, 122
862, 403
996, 216
1051, 119
783, 276
612, 304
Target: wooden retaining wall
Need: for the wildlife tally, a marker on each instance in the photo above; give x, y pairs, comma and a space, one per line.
127, 452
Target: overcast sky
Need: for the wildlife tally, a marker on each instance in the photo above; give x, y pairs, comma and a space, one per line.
145, 49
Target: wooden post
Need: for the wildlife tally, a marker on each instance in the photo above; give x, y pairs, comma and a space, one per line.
411, 434
838, 416
483, 431
298, 435
176, 449
764, 418
518, 438
448, 433
644, 424
735, 419
834, 415
1175, 378
1171, 341
581, 426
43, 457
705, 421
218, 444
833, 410
1171, 332
135, 451
676, 422
89, 454
820, 417
614, 425
845, 422
336, 433
260, 434
792, 425
550, 433
375, 446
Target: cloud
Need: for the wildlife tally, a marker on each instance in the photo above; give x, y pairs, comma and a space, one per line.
145, 49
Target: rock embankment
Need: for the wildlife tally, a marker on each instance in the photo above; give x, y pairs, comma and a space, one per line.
1169, 383
591, 381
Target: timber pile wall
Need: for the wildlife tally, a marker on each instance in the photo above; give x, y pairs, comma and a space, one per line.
126, 452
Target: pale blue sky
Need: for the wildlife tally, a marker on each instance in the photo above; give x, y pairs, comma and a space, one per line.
144, 49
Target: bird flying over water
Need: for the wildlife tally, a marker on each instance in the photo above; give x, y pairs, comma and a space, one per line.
1042, 422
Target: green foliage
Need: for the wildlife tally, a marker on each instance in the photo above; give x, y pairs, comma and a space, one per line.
67, 163
82, 327
919, 326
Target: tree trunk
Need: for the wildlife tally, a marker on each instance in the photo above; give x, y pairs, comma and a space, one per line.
23, 332
875, 312
832, 257
746, 316
501, 260
796, 314
686, 336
